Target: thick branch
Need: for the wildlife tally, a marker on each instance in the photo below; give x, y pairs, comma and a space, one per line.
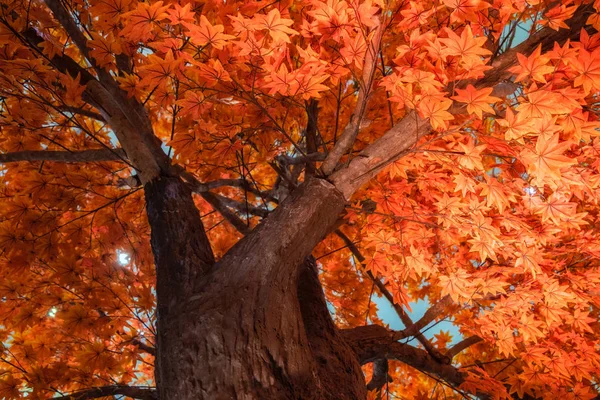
82, 111
64, 156
62, 15
181, 249
126, 116
333, 353
63, 63
242, 207
116, 390
201, 188
375, 342
136, 137
462, 345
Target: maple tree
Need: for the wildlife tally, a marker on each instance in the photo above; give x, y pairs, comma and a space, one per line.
201, 199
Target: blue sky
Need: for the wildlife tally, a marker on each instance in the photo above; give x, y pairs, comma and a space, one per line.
386, 313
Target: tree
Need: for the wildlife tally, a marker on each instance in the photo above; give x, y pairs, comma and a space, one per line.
189, 187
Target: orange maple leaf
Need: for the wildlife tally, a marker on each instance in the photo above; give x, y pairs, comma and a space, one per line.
104, 49
466, 46
533, 67
547, 160
478, 101
205, 33
278, 28
588, 66
142, 20
436, 110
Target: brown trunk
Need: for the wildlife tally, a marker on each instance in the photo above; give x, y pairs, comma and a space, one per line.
236, 330
181, 253
337, 365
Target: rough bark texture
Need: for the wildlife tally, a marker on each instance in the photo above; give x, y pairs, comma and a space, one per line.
338, 369
241, 335
181, 253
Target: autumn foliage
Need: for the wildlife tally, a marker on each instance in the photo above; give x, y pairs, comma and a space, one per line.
488, 214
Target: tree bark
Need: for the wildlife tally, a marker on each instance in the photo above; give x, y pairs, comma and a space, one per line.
236, 330
181, 253
338, 369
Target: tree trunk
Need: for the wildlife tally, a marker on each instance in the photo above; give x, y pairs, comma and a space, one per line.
337, 364
236, 330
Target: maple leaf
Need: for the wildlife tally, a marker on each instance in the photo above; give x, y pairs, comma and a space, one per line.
310, 82
464, 9
492, 286
278, 28
283, 81
104, 49
556, 208
206, 33
505, 342
378, 264
332, 18
179, 14
472, 155
10, 387
416, 262
354, 51
464, 184
367, 14
555, 294
580, 320
111, 10
466, 46
588, 66
141, 21
213, 72
485, 248
478, 101
527, 260
436, 111
456, 285
159, 69
538, 104
494, 193
193, 104
556, 17
533, 67
547, 160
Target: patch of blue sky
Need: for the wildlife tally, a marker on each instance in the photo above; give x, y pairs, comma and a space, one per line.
387, 314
